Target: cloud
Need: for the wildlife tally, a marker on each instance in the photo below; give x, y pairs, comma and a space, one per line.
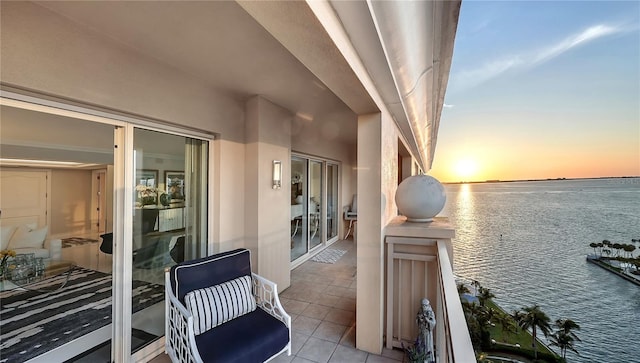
448, 106
572, 41
470, 78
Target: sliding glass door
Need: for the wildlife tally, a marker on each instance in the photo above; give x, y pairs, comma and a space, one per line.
169, 210
332, 201
299, 207
314, 201
120, 204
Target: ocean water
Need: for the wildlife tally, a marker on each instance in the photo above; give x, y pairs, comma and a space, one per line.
527, 242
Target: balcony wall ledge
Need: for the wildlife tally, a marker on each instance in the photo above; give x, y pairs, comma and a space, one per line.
439, 228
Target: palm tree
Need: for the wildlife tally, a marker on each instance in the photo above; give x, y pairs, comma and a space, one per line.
629, 250
567, 326
507, 324
594, 245
484, 295
517, 315
600, 245
463, 289
534, 318
478, 324
617, 246
563, 341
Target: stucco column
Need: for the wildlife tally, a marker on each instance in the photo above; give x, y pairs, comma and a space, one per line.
370, 252
267, 221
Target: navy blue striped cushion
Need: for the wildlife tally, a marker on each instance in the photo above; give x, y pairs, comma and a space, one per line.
218, 304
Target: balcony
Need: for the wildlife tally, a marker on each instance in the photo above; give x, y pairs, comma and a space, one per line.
322, 300
419, 264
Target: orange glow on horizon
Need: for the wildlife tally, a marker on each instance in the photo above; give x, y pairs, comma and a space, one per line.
487, 165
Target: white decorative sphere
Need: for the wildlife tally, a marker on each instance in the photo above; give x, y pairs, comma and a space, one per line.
420, 198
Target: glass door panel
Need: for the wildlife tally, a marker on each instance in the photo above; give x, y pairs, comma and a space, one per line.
332, 201
315, 204
170, 204
299, 208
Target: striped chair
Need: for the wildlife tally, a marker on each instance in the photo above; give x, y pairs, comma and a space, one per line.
217, 310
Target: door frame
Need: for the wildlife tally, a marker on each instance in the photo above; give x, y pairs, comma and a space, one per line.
324, 242
123, 176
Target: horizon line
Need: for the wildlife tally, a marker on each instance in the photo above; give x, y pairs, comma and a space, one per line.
543, 179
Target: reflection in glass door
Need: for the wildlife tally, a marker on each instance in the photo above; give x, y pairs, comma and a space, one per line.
168, 213
332, 201
299, 208
315, 203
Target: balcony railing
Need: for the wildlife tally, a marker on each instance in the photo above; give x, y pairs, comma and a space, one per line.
419, 266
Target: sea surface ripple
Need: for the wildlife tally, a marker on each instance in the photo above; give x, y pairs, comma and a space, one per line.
527, 242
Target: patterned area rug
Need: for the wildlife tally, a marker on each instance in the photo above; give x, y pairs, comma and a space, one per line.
76, 241
330, 255
36, 321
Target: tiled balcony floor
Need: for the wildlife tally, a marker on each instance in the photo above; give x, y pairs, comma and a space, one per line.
322, 303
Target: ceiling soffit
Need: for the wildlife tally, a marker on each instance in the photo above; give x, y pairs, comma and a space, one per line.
224, 45
406, 47
296, 27
357, 22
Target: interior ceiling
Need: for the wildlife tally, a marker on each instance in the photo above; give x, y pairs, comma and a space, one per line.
216, 41
34, 135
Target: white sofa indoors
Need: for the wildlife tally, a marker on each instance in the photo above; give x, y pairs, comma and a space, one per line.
29, 238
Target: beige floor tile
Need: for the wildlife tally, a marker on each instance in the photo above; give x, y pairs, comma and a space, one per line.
342, 282
350, 293
380, 359
301, 360
317, 350
346, 303
327, 300
305, 325
316, 311
309, 296
336, 290
294, 306
344, 354
297, 341
283, 358
162, 358
330, 331
342, 317
349, 337
396, 354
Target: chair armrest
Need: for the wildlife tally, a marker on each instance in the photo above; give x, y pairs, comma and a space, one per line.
266, 293
179, 322
55, 248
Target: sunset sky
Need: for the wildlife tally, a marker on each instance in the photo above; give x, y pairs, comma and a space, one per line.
542, 89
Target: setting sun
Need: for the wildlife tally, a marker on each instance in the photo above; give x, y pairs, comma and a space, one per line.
466, 168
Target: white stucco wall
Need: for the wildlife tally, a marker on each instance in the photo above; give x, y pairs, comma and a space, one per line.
227, 186
43, 51
71, 200
377, 182
46, 53
266, 209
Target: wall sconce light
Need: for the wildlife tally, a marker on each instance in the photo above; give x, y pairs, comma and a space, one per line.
277, 174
